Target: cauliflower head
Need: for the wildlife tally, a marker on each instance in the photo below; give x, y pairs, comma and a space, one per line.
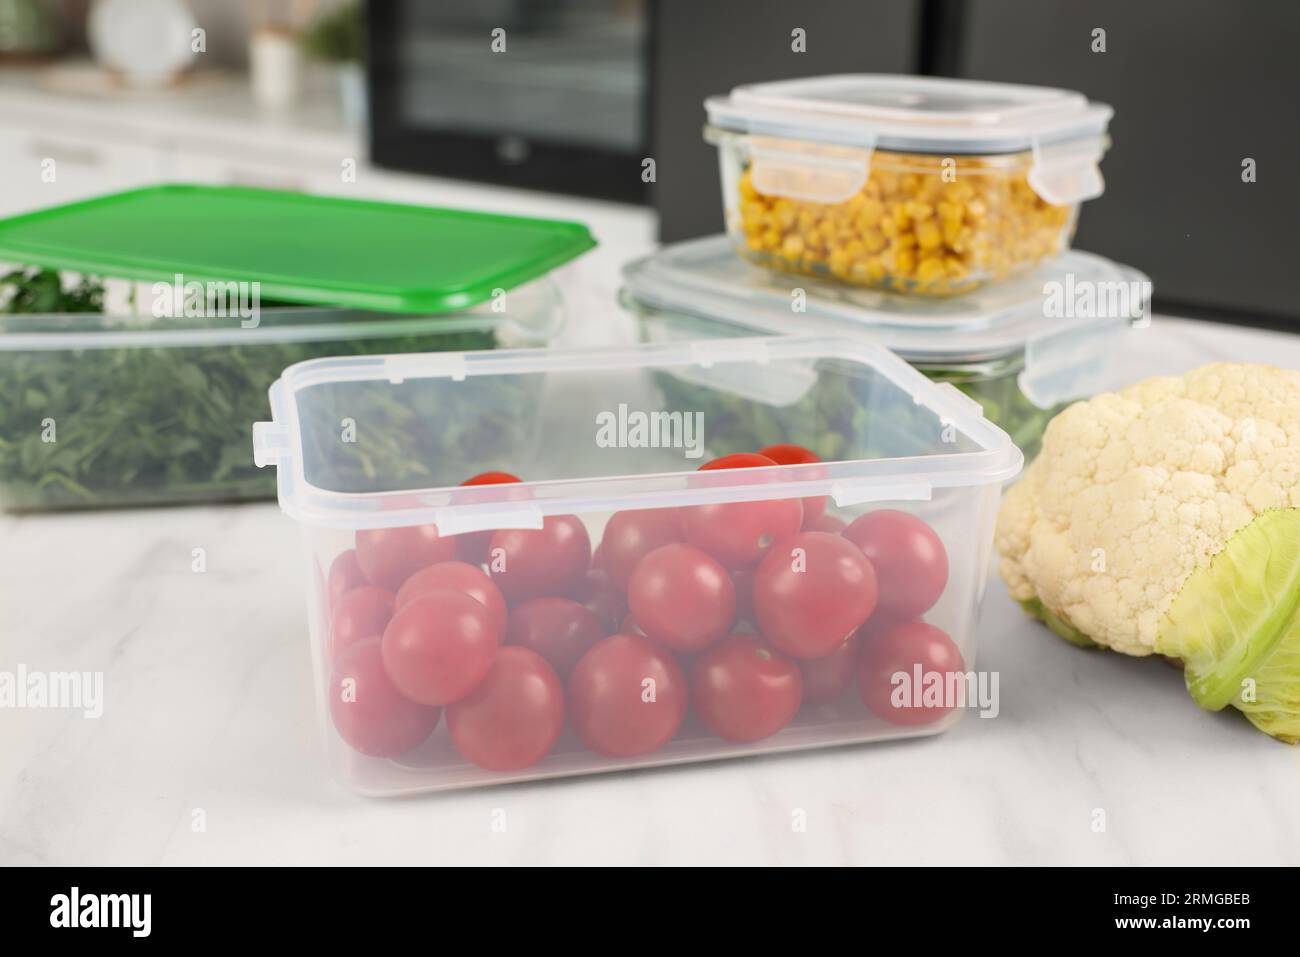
1135, 489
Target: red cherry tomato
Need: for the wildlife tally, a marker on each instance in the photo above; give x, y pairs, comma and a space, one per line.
472, 547
630, 536
345, 575
359, 614
887, 675
529, 563
814, 505
826, 679
682, 597
812, 593
558, 629
456, 576
368, 711
739, 534
513, 718
743, 689
827, 523
910, 561
627, 696
389, 556
438, 648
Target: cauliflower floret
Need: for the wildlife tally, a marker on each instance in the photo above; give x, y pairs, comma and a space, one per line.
1134, 490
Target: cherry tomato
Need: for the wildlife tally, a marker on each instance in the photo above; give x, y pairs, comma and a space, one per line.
439, 647
359, 614
826, 679
682, 597
910, 561
513, 718
827, 523
473, 547
456, 576
627, 696
814, 506
389, 556
345, 575
899, 651
739, 534
812, 593
558, 629
743, 689
529, 563
368, 711
630, 536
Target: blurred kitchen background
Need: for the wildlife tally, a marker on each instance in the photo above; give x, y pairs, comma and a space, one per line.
572, 96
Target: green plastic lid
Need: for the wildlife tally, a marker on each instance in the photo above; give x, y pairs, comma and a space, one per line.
299, 247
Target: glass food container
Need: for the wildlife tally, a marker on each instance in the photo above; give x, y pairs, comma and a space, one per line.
620, 607
1021, 349
919, 185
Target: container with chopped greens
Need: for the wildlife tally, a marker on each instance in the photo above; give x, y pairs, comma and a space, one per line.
139, 389
106, 410
1021, 349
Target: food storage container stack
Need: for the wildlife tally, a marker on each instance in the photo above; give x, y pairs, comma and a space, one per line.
151, 404
601, 601
923, 185
1022, 349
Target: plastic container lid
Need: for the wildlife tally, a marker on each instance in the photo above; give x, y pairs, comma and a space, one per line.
950, 445
302, 248
1064, 355
1063, 130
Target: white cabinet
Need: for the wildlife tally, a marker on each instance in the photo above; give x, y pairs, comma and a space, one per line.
48, 167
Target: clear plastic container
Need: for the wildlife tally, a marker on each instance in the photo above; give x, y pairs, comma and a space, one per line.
1022, 349
920, 185
559, 698
128, 410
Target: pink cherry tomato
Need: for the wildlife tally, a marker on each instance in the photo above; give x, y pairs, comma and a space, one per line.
631, 535
515, 715
529, 563
682, 597
739, 534
368, 711
558, 629
438, 648
389, 556
359, 614
889, 667
910, 561
627, 696
812, 592
743, 689
456, 576
345, 574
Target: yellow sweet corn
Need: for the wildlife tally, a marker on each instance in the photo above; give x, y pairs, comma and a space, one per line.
911, 227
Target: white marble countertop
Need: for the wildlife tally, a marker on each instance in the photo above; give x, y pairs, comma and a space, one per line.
209, 708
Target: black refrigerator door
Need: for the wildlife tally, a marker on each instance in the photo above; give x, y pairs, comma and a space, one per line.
1198, 87
709, 47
